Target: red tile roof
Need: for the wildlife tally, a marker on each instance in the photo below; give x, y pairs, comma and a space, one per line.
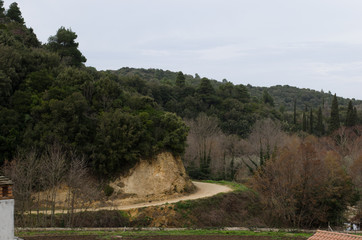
324, 235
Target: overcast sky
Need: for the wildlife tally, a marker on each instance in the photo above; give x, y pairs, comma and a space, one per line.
313, 44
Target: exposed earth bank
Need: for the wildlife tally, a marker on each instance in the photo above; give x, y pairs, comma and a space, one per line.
161, 178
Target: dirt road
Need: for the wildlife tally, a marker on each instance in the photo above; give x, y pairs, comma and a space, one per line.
202, 190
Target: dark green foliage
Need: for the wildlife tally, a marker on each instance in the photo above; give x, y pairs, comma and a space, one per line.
267, 99
295, 112
2, 9
287, 95
304, 123
64, 44
311, 123
334, 122
320, 126
108, 190
351, 116
180, 80
14, 13
48, 96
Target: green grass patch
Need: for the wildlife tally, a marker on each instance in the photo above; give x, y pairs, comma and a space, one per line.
234, 185
135, 233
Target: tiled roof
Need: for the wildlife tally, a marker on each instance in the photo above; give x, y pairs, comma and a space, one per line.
5, 181
324, 235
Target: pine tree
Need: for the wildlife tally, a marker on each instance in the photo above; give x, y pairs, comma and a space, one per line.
14, 13
2, 9
320, 126
180, 80
311, 127
334, 120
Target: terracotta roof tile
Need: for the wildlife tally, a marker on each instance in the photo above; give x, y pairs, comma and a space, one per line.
5, 181
324, 235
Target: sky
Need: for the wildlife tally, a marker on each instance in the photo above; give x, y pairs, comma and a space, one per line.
314, 44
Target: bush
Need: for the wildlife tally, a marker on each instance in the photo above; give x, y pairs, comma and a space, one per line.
108, 190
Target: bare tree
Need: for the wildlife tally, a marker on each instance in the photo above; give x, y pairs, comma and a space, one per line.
202, 142
53, 173
24, 171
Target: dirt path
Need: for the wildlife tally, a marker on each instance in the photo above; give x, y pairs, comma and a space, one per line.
202, 190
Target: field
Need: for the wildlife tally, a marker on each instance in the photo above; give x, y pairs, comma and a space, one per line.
161, 235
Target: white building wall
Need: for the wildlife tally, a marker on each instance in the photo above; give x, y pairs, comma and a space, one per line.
7, 219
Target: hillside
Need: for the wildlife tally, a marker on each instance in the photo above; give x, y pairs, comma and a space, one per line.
48, 97
282, 95
66, 125
285, 96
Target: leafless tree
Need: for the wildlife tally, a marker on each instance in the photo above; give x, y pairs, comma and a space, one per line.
53, 173
24, 172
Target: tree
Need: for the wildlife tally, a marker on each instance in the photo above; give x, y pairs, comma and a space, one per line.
14, 13
311, 127
320, 127
351, 117
53, 171
64, 44
204, 131
180, 80
334, 122
267, 98
304, 123
303, 187
2, 9
295, 112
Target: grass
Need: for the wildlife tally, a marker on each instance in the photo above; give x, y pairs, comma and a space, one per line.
234, 185
134, 233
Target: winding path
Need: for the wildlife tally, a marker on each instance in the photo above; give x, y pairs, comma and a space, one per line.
203, 190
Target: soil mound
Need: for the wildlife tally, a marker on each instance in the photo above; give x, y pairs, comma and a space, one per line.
156, 179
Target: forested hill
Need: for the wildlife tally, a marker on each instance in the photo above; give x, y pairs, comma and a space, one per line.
48, 97
114, 118
283, 96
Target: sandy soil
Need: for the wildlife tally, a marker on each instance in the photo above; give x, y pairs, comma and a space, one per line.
203, 190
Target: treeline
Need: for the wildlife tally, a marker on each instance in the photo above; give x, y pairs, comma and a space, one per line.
238, 107
49, 97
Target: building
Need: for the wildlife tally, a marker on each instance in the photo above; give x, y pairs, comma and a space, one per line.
325, 235
6, 209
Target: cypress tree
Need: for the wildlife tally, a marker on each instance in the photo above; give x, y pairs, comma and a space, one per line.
311, 127
267, 98
320, 126
350, 121
304, 123
295, 112
355, 116
334, 120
